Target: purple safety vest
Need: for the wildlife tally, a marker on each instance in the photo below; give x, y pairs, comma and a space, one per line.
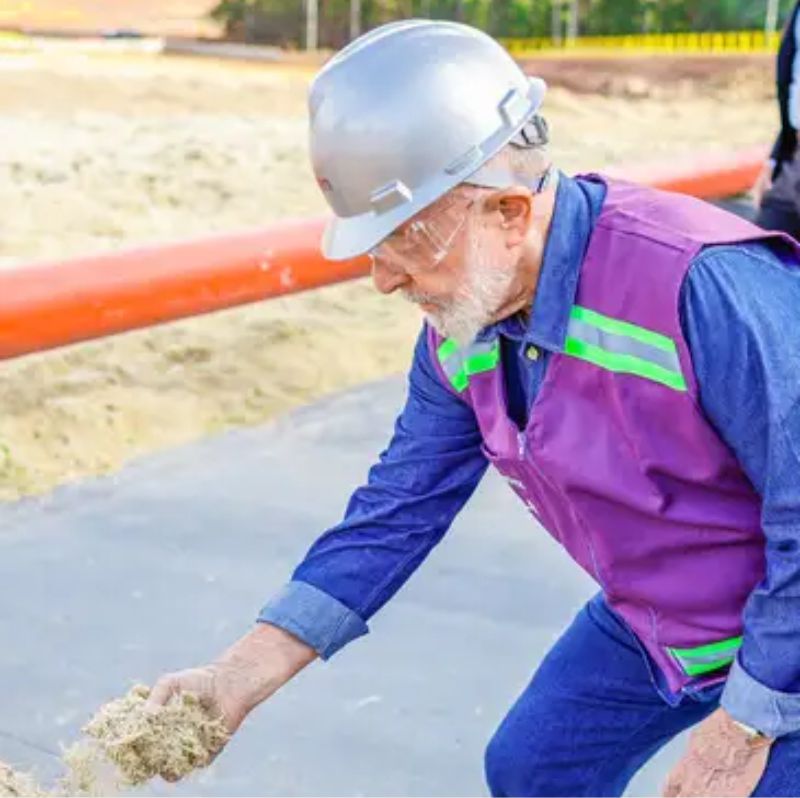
617, 460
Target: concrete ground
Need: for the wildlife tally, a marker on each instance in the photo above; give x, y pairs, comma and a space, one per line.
118, 579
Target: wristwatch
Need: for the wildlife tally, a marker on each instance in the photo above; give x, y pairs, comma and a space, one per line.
752, 734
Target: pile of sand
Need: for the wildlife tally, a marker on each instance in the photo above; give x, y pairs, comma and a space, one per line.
161, 17
717, 78
138, 742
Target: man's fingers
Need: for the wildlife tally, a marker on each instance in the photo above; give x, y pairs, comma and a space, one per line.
672, 789
161, 693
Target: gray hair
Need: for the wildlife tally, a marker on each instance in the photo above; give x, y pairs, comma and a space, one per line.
529, 162
526, 160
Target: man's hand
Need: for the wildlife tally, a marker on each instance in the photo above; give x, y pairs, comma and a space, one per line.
763, 183
722, 760
248, 673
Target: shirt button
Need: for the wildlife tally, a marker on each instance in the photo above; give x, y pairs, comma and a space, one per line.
532, 353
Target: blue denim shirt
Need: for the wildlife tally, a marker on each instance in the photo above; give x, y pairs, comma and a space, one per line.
740, 310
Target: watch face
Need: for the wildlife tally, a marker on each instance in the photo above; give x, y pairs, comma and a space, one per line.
749, 730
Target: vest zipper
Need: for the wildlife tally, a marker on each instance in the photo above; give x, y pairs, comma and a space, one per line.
521, 445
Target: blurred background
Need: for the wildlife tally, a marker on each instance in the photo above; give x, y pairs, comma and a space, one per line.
277, 21
149, 120
284, 21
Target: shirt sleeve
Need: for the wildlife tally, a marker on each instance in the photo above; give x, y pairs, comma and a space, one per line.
421, 481
776, 154
740, 308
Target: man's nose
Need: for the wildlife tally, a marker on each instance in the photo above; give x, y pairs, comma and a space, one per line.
387, 279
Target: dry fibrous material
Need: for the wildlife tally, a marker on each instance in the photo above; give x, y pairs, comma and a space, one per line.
13, 783
143, 743
137, 741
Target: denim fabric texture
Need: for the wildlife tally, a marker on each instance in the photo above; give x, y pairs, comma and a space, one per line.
590, 719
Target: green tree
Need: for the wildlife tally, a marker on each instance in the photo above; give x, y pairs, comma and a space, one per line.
281, 21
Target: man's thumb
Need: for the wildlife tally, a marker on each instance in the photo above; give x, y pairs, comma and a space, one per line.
164, 689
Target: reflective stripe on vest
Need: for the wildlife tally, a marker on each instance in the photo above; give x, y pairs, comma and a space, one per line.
704, 659
623, 348
459, 364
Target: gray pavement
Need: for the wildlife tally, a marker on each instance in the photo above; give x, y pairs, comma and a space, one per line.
116, 580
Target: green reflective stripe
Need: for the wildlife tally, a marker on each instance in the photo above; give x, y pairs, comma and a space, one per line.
483, 348
623, 345
452, 366
447, 349
730, 652
704, 659
698, 669
459, 381
623, 348
624, 364
618, 327
723, 647
483, 361
456, 375
459, 364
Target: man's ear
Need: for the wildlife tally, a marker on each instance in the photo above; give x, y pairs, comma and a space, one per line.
515, 205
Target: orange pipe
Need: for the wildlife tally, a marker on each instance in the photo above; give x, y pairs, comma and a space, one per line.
57, 303
708, 176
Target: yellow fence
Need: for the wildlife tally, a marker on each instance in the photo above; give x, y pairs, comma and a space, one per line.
698, 43
710, 42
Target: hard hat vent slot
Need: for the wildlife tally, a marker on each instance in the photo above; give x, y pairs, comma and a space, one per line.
390, 196
513, 108
474, 155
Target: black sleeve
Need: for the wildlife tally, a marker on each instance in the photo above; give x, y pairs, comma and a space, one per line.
775, 153
786, 143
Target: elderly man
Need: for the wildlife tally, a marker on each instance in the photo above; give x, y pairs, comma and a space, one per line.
628, 360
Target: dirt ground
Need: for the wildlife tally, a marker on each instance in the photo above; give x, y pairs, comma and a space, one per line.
100, 152
162, 17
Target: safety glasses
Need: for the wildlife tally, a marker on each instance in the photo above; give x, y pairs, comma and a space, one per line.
423, 243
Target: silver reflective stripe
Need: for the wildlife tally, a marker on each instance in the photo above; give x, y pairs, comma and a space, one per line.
479, 348
453, 364
721, 657
623, 345
459, 364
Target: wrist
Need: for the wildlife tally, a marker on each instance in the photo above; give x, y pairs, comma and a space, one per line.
746, 735
263, 660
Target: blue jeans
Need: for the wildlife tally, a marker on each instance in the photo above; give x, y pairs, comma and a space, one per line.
592, 716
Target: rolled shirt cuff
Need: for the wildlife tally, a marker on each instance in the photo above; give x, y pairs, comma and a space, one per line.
313, 616
769, 711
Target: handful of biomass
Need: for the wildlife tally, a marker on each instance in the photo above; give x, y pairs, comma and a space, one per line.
139, 742
13, 783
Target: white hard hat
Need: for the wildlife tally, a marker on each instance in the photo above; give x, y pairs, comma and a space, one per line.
404, 114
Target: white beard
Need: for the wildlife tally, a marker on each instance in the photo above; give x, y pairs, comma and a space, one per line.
486, 288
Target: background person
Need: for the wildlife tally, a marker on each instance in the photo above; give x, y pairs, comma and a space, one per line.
777, 190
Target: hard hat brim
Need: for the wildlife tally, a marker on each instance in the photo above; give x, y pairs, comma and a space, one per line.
349, 237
